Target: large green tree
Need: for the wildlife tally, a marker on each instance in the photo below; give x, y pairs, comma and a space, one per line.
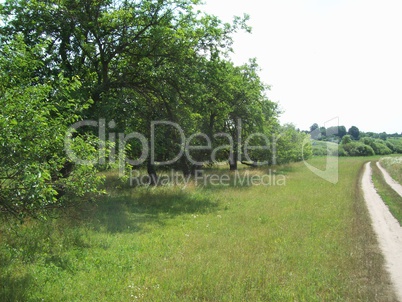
354, 132
250, 111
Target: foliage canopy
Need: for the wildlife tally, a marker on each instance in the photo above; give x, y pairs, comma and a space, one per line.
128, 63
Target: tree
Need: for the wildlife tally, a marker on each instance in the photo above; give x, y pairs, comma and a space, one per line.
250, 110
316, 132
313, 127
354, 132
35, 173
383, 136
323, 132
341, 131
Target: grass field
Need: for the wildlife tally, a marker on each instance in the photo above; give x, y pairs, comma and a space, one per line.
300, 239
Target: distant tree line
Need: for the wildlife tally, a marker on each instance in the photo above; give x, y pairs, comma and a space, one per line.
338, 132
355, 142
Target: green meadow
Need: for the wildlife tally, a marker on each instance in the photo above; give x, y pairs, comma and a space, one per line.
299, 238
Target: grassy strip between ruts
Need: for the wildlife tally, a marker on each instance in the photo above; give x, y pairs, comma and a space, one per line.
306, 240
388, 195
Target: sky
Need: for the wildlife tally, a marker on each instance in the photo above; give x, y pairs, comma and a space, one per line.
327, 61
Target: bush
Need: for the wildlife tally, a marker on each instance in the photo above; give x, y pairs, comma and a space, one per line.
397, 143
35, 171
342, 151
292, 145
379, 146
324, 148
319, 148
357, 149
346, 139
364, 150
390, 145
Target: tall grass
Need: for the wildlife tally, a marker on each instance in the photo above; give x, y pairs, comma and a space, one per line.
394, 167
307, 240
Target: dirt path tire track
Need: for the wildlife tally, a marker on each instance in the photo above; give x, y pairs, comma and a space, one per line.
390, 181
388, 230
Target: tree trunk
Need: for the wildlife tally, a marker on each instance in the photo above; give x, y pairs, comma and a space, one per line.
233, 160
153, 177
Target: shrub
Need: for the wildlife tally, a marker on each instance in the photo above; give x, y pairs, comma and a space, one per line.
357, 149
364, 150
346, 139
379, 146
292, 145
342, 151
319, 148
397, 143
35, 172
390, 145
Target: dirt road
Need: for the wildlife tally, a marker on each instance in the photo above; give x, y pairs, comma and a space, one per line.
388, 231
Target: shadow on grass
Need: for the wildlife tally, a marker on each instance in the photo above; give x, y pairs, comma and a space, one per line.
136, 211
13, 288
56, 244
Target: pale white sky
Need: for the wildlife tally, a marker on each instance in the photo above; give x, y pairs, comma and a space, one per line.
325, 58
